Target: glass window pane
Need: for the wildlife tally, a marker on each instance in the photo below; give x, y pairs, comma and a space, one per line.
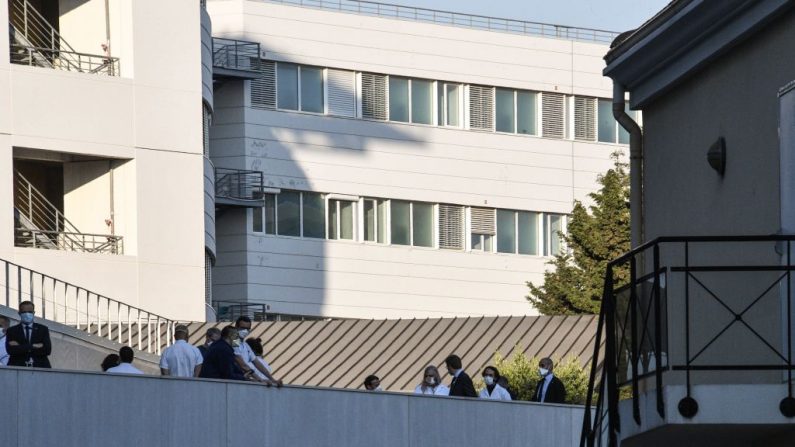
440, 103
556, 228
346, 220
381, 222
607, 124
270, 213
487, 243
369, 220
312, 89
398, 99
314, 215
506, 231
453, 97
421, 102
332, 219
422, 218
504, 107
287, 86
526, 112
477, 243
623, 135
528, 233
400, 223
289, 213
256, 220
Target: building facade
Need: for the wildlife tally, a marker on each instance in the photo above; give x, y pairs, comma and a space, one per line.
412, 168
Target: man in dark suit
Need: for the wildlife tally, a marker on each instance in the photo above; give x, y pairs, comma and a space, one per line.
461, 385
549, 389
220, 361
28, 343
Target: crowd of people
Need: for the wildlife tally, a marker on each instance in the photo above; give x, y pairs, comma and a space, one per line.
230, 354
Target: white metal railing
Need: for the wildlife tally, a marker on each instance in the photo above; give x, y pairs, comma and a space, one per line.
456, 19
72, 305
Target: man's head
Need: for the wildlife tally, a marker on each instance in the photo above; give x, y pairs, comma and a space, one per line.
126, 354
26, 311
453, 364
3, 325
545, 366
243, 325
490, 375
181, 332
213, 334
229, 335
372, 383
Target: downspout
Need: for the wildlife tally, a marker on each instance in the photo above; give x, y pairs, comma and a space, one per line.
635, 165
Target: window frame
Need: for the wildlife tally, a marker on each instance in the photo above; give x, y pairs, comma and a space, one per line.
354, 218
434, 231
433, 106
362, 219
537, 107
441, 86
547, 232
323, 94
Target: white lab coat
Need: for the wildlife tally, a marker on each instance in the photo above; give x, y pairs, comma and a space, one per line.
440, 390
498, 393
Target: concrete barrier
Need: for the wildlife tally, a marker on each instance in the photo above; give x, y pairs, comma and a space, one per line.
67, 408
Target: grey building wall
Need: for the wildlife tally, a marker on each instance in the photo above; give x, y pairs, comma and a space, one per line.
64, 408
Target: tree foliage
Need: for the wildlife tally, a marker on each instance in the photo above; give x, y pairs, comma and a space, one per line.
596, 235
522, 374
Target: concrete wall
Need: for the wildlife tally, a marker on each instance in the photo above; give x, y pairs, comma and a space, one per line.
151, 116
394, 160
134, 411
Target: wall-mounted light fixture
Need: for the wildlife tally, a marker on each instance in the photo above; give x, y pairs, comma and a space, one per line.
716, 156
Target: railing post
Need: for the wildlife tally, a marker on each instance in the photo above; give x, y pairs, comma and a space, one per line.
586, 425
8, 286
658, 333
789, 318
610, 360
635, 348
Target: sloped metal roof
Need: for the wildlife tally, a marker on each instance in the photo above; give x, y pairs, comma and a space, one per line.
341, 353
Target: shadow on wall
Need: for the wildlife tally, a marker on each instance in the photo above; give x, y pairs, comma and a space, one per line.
296, 151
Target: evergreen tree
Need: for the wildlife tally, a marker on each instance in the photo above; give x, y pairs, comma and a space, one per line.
594, 238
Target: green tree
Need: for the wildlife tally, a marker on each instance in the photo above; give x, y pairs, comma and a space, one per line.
522, 375
596, 235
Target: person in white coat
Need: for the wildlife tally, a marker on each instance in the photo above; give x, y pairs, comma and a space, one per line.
493, 390
432, 383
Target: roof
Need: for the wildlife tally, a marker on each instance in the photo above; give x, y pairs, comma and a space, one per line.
341, 353
682, 38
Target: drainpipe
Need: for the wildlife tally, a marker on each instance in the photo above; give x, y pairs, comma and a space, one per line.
635, 164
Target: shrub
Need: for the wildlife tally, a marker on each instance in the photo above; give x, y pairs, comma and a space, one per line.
522, 374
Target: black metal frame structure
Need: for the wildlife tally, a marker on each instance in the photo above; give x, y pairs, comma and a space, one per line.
634, 325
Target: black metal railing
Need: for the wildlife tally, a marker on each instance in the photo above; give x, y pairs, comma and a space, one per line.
64, 60
234, 54
238, 184
231, 310
717, 284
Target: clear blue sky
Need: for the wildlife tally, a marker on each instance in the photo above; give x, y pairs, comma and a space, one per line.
611, 15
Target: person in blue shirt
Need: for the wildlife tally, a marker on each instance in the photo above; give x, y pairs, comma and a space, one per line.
220, 360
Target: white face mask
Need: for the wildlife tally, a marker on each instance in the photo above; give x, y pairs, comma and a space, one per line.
242, 333
235, 343
430, 381
543, 372
489, 380
378, 388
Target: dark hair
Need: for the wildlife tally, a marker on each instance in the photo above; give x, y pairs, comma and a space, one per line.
213, 331
110, 361
227, 330
126, 354
453, 361
368, 381
496, 372
4, 318
242, 319
27, 303
256, 345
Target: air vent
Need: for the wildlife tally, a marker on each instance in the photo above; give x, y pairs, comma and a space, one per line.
451, 227
584, 118
483, 221
374, 96
263, 88
553, 113
481, 107
341, 93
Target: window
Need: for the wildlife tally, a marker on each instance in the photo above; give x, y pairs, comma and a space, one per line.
516, 111
609, 129
308, 93
291, 213
448, 105
410, 100
554, 227
264, 219
451, 227
482, 242
483, 229
517, 232
288, 213
340, 219
314, 215
375, 220
411, 223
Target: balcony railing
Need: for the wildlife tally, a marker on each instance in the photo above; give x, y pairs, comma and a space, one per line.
717, 285
233, 54
237, 184
64, 60
60, 240
456, 19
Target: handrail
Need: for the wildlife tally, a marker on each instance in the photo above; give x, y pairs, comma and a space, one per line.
234, 54
69, 304
239, 183
634, 314
455, 19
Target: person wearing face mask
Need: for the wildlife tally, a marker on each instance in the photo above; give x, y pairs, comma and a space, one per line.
28, 343
372, 383
212, 335
3, 328
549, 389
493, 390
432, 383
221, 362
247, 359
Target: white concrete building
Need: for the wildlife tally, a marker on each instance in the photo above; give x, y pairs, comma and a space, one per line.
417, 163
101, 143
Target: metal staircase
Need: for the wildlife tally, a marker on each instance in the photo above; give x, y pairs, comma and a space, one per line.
40, 224
35, 42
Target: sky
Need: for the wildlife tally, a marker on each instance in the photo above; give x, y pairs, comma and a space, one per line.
610, 15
